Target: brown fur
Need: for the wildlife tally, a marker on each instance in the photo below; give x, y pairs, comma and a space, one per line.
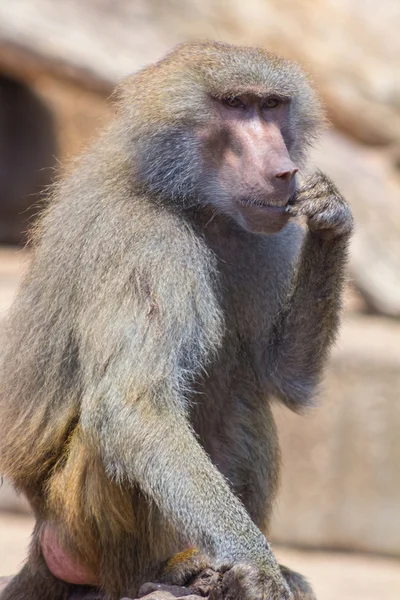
153, 330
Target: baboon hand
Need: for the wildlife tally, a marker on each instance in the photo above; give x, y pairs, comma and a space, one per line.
248, 582
328, 214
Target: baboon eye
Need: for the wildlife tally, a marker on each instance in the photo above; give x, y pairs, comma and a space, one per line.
272, 102
233, 102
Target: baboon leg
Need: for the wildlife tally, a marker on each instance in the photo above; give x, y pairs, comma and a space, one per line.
36, 582
43, 586
299, 586
37, 585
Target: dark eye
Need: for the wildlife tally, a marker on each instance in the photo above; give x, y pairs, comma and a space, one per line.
233, 102
272, 102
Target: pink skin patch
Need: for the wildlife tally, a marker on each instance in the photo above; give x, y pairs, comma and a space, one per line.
60, 563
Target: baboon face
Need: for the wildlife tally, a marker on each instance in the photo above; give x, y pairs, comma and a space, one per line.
230, 128
249, 172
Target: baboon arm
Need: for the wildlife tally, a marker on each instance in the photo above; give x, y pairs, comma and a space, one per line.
307, 323
141, 360
156, 450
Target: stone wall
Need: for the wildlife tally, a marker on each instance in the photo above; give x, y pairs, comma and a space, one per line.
341, 472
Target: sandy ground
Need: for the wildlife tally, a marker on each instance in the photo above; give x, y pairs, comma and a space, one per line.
335, 576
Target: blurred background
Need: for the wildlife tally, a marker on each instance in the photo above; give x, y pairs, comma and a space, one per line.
337, 518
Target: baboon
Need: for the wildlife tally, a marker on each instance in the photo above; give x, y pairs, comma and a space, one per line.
181, 278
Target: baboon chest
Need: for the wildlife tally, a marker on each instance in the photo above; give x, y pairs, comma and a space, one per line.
251, 292
253, 273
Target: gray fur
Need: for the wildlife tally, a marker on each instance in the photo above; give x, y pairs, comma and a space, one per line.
150, 336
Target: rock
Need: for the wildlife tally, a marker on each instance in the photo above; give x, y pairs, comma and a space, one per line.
156, 591
155, 588
84, 594
371, 184
340, 476
350, 53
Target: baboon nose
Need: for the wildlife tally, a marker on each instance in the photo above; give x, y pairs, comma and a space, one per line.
286, 175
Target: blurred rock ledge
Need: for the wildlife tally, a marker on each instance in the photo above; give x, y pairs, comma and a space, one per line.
340, 476
371, 184
350, 50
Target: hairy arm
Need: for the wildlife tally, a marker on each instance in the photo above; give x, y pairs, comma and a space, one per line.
308, 321
141, 362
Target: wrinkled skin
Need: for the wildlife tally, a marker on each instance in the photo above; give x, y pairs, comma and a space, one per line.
61, 564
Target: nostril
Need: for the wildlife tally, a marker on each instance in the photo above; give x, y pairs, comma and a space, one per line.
286, 175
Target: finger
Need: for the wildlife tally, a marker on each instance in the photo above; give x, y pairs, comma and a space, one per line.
292, 209
304, 208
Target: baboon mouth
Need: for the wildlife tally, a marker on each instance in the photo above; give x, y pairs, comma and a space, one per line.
277, 205
248, 203
260, 217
